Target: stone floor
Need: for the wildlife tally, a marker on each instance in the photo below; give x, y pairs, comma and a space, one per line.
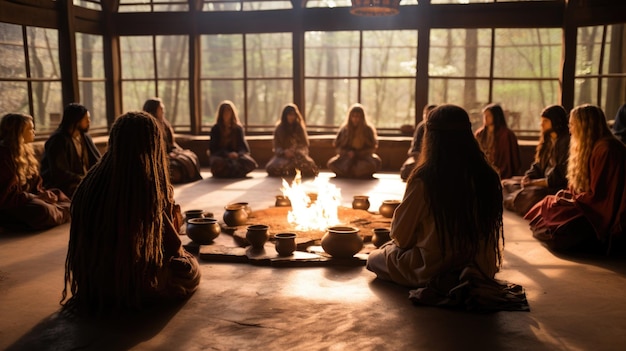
577, 302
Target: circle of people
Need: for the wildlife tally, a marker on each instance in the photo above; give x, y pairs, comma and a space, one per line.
450, 217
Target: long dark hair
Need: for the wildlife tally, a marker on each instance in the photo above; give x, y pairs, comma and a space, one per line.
72, 114
558, 117
115, 245
463, 190
298, 128
499, 120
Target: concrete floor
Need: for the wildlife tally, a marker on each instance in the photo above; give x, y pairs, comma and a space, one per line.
577, 302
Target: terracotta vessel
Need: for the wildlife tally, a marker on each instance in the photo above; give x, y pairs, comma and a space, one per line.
189, 214
381, 236
246, 206
388, 207
285, 243
361, 202
203, 230
342, 241
257, 235
282, 201
235, 215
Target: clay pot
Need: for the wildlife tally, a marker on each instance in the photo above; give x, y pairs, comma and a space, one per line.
361, 202
342, 242
381, 236
203, 230
282, 201
189, 214
285, 243
235, 215
246, 206
388, 207
257, 235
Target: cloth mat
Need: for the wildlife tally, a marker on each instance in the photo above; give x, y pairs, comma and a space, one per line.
471, 290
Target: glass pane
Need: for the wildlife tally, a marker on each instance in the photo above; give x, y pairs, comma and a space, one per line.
331, 54
266, 99
175, 96
459, 52
43, 51
172, 56
90, 56
265, 5
137, 57
135, 93
524, 101
222, 56
215, 91
389, 53
48, 106
527, 53
89, 4
92, 95
13, 60
613, 98
588, 50
390, 103
586, 91
269, 55
471, 94
328, 101
328, 3
14, 97
221, 5
152, 5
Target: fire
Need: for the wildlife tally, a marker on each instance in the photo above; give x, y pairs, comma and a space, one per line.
312, 214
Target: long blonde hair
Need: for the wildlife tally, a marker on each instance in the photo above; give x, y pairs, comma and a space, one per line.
11, 134
587, 125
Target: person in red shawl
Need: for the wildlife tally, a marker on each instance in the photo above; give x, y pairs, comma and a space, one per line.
591, 214
498, 142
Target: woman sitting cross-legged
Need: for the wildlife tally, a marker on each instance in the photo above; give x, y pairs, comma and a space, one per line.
356, 143
591, 214
447, 233
24, 203
229, 153
124, 251
291, 146
548, 173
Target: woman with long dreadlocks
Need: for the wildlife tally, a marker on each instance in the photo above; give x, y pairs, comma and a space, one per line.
124, 251
591, 214
356, 143
451, 213
24, 203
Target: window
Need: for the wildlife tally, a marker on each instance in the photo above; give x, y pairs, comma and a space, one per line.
254, 71
517, 68
375, 68
91, 78
157, 66
600, 67
30, 79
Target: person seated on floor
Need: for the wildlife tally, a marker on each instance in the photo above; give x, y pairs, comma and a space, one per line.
498, 142
548, 173
69, 151
356, 144
24, 203
124, 250
416, 145
229, 153
451, 212
619, 124
184, 166
291, 146
591, 214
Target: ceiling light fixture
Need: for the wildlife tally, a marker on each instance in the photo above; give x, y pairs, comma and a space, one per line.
375, 7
